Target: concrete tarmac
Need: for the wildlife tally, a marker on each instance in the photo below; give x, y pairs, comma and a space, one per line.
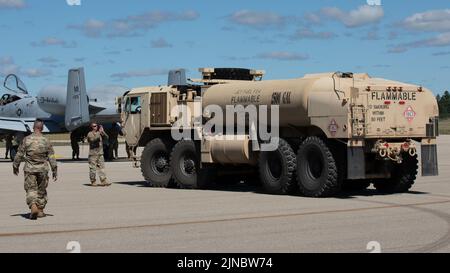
130, 217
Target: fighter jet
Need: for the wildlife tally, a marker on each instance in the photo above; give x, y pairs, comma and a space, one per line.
70, 111
18, 109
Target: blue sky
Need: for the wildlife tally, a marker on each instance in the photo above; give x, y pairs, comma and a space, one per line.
133, 43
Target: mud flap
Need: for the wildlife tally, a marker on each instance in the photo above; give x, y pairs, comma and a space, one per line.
429, 160
356, 166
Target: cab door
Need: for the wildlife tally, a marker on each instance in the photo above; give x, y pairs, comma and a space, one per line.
132, 119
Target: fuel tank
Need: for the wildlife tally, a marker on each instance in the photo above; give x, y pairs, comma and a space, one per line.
388, 108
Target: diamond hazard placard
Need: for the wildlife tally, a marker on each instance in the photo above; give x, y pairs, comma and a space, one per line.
410, 114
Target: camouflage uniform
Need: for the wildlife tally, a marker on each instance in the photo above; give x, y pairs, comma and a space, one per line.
114, 133
36, 151
96, 159
8, 145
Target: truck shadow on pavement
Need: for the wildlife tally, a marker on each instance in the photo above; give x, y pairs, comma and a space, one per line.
239, 187
243, 187
348, 194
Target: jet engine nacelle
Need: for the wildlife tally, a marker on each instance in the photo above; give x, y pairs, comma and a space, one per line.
53, 101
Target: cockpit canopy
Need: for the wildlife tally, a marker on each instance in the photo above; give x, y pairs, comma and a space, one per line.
14, 84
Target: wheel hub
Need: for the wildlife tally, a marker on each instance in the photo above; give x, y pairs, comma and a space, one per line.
160, 164
189, 166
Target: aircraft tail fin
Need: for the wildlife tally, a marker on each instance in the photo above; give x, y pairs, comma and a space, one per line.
77, 106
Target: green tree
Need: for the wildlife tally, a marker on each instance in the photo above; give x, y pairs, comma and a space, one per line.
444, 104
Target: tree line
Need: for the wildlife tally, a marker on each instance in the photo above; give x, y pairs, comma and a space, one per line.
444, 104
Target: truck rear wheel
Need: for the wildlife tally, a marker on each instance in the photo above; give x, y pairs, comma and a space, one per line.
186, 169
277, 169
317, 173
403, 177
155, 163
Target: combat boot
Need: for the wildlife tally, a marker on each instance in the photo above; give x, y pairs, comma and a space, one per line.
41, 214
34, 212
94, 184
105, 183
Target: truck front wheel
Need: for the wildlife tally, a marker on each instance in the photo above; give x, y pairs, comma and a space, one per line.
277, 169
317, 172
403, 177
155, 164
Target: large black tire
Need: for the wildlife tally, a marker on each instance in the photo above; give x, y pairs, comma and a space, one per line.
317, 172
155, 163
277, 169
403, 177
185, 163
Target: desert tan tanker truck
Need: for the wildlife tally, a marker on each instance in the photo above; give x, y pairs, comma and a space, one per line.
313, 135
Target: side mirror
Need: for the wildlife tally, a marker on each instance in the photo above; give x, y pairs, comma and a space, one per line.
119, 105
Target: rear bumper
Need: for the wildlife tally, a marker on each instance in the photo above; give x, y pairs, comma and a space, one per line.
357, 159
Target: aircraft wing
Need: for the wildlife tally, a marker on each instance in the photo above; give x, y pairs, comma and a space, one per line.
18, 125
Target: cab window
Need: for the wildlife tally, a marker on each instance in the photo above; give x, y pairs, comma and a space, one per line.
135, 105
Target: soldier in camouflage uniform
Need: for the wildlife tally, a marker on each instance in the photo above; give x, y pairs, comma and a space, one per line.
74, 142
96, 159
37, 152
8, 145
